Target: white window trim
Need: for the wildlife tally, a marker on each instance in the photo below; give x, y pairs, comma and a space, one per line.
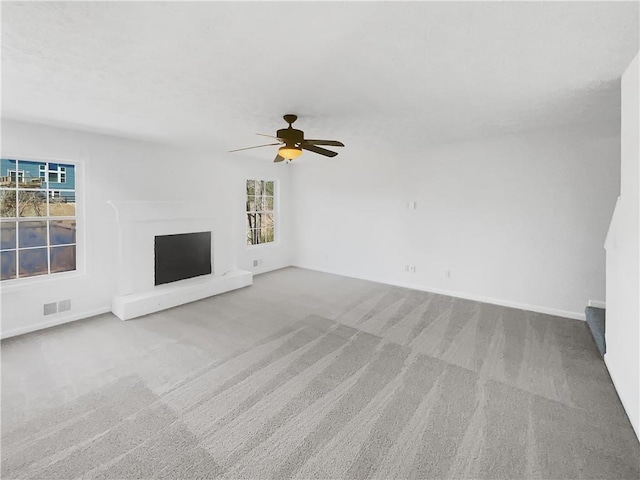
18, 284
276, 213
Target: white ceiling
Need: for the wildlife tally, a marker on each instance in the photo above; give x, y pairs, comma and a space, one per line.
212, 74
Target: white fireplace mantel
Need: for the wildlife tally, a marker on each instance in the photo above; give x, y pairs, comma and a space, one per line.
158, 211
139, 222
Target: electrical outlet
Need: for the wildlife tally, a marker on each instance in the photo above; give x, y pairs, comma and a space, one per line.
64, 305
406, 268
257, 262
447, 273
50, 308
412, 269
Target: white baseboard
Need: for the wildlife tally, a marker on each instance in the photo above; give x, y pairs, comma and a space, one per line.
53, 323
478, 298
597, 304
549, 311
60, 320
266, 269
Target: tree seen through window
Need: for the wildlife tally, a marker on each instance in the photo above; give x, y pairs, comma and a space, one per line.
260, 211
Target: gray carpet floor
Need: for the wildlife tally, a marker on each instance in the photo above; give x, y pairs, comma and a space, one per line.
310, 375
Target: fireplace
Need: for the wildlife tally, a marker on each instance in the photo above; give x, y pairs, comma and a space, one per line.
147, 228
182, 256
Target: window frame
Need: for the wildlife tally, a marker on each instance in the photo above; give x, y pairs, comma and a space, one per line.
60, 173
16, 174
80, 243
275, 212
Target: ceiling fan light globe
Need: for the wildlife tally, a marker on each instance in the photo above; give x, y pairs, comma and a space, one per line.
289, 152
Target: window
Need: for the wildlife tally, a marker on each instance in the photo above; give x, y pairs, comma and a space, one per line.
37, 223
57, 173
12, 175
260, 211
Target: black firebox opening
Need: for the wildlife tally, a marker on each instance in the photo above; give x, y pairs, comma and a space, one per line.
181, 256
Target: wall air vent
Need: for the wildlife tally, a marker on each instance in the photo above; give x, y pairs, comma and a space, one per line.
50, 308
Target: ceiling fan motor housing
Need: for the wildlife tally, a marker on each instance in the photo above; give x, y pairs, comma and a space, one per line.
291, 136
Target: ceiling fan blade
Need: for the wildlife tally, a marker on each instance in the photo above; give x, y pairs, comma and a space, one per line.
278, 159
257, 146
321, 151
334, 143
270, 136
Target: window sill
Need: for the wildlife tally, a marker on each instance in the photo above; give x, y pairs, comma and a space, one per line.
262, 245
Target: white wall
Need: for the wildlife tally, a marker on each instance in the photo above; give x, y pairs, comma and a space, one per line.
120, 169
518, 220
622, 330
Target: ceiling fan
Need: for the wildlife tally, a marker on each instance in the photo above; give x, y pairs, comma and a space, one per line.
293, 142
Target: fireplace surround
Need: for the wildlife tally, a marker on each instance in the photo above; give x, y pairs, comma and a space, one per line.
139, 222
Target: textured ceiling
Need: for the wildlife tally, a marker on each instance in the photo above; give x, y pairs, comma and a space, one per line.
212, 74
